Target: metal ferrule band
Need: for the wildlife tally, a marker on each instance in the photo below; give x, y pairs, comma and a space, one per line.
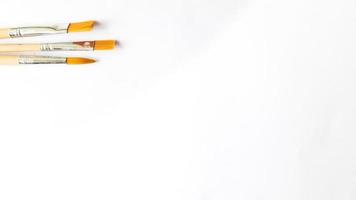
41, 60
68, 46
37, 30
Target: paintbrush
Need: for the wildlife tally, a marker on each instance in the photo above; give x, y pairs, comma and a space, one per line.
24, 59
63, 46
30, 31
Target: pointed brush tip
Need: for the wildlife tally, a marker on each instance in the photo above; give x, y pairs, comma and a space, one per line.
79, 61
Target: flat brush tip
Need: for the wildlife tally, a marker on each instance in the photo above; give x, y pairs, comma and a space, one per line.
105, 44
79, 61
81, 26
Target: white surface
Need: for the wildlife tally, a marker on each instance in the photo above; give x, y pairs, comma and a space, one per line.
206, 100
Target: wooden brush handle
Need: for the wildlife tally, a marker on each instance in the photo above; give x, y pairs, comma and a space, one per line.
4, 33
30, 31
9, 60
28, 59
64, 46
19, 47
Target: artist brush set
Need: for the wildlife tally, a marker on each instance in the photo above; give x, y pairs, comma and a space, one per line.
31, 31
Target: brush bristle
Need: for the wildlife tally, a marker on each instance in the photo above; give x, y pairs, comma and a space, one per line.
105, 44
79, 61
81, 26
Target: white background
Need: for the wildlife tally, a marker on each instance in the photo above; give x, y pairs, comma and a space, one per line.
204, 99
